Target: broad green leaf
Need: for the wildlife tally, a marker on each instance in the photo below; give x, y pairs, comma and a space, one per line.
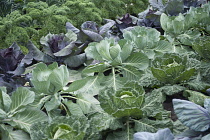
178, 24
53, 114
73, 108
41, 86
192, 115
133, 111
92, 86
76, 60
78, 84
186, 75
99, 122
41, 72
152, 103
53, 103
75, 75
130, 72
164, 20
96, 68
21, 98
198, 85
188, 37
7, 133
195, 97
58, 79
3, 114
88, 103
5, 100
29, 116
40, 100
147, 125
127, 48
91, 52
163, 46
175, 71
159, 74
103, 49
179, 127
114, 81
138, 60
115, 51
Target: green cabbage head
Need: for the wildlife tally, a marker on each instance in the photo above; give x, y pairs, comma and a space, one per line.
124, 102
172, 68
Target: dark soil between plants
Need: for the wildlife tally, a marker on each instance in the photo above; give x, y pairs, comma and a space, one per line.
168, 105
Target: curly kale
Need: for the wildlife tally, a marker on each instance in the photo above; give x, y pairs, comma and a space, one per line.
38, 19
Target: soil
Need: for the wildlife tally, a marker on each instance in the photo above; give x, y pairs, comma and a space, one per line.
167, 104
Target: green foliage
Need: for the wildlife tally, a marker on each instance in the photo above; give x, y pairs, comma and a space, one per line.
201, 46
172, 68
38, 19
65, 128
124, 102
81, 11
147, 41
51, 79
116, 8
15, 115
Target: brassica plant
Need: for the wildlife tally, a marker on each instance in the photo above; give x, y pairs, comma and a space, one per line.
172, 68
17, 115
58, 48
65, 128
12, 67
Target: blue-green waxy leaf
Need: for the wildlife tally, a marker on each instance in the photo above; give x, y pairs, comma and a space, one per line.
76, 60
163, 134
192, 115
207, 137
207, 104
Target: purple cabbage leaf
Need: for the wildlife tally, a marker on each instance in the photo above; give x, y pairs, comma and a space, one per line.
12, 68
